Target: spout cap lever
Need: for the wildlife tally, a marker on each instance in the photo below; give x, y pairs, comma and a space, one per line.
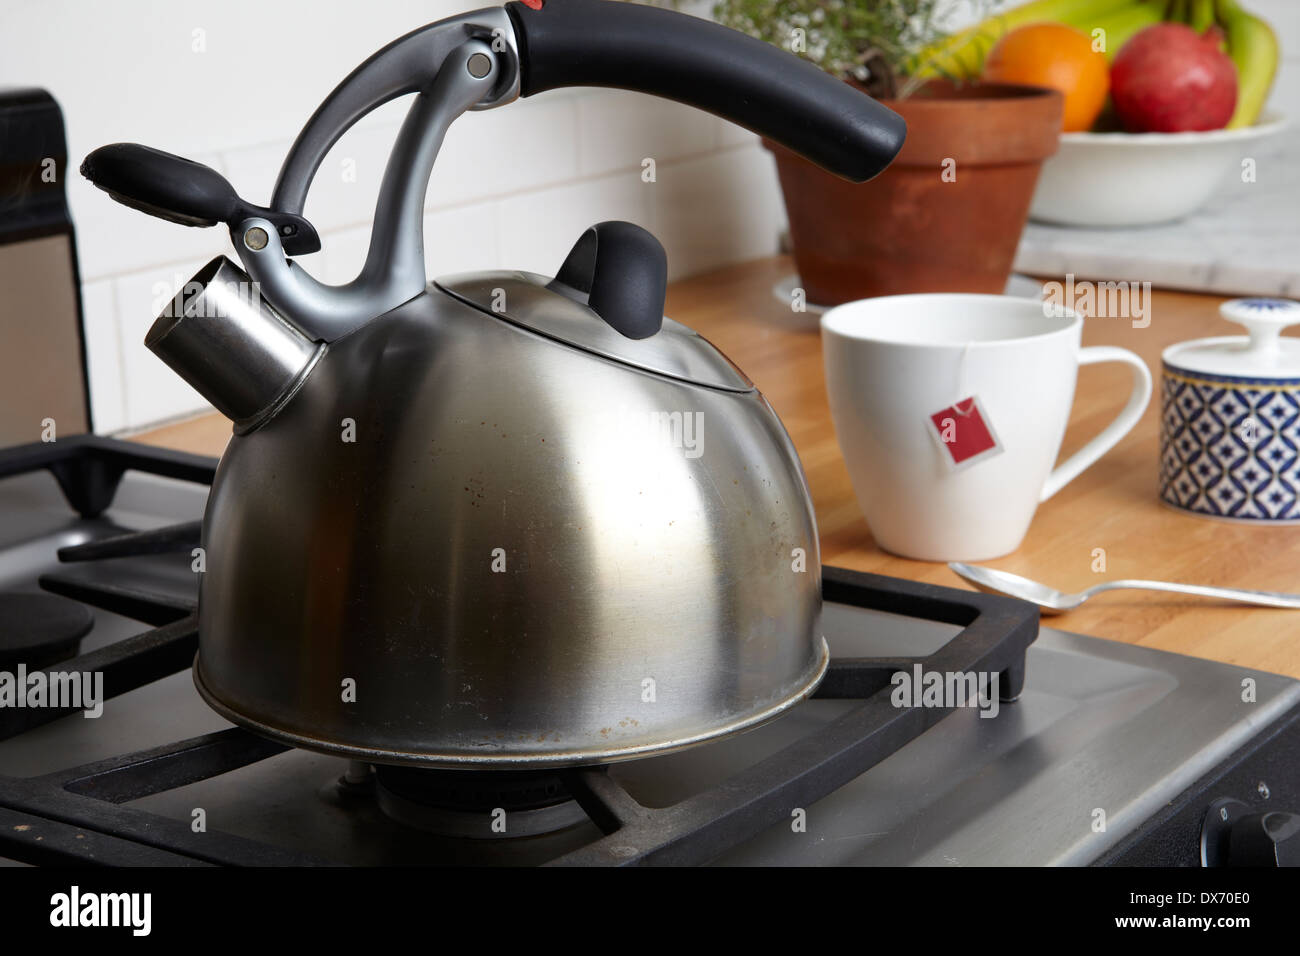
183, 191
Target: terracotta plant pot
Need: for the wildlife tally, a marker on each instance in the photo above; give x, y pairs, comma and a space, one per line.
913, 228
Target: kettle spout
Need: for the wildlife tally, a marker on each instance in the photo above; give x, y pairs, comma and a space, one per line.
225, 340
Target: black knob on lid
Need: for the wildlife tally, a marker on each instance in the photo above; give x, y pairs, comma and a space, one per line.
623, 272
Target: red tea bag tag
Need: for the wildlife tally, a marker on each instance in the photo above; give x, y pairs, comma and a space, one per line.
964, 433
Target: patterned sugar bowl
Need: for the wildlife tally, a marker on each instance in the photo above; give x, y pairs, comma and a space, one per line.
1230, 426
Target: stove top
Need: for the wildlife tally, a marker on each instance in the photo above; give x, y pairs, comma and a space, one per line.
1108, 749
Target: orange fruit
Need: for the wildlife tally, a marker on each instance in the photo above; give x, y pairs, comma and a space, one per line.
1053, 54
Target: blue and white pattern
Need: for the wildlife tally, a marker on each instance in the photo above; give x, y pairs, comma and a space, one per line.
1230, 447
1266, 306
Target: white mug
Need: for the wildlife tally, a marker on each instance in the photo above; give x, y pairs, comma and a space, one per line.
896, 369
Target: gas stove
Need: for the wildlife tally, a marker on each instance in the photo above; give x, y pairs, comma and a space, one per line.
1089, 751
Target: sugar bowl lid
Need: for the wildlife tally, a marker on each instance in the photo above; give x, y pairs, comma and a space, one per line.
1263, 354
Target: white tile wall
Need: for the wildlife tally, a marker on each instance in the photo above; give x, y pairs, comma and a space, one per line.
513, 188
537, 230
529, 145
618, 130
717, 209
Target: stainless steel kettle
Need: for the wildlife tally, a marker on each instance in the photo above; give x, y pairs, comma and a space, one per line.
501, 519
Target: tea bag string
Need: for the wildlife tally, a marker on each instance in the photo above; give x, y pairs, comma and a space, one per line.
962, 393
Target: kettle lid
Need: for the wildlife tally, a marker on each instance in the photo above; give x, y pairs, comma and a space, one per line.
536, 302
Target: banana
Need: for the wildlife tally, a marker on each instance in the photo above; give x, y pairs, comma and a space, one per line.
1200, 15
961, 55
1121, 25
1253, 47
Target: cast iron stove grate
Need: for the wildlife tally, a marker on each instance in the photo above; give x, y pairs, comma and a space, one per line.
77, 815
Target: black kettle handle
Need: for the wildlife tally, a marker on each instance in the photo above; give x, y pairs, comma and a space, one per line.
710, 67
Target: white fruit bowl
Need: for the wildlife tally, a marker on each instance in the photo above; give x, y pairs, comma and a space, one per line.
1139, 179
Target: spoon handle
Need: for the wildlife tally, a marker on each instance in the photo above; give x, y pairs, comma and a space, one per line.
1262, 598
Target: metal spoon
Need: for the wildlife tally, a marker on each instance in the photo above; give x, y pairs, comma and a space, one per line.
1053, 601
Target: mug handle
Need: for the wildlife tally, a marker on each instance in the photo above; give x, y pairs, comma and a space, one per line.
1070, 469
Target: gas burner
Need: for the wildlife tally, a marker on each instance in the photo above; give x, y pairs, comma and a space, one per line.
476, 804
38, 630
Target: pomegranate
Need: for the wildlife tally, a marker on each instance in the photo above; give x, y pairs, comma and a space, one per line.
1171, 79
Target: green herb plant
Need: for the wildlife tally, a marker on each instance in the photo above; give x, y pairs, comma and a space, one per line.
871, 42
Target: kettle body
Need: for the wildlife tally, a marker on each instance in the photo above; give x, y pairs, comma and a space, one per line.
464, 542
502, 519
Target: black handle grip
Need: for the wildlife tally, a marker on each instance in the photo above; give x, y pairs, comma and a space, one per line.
162, 184
624, 271
183, 191
711, 67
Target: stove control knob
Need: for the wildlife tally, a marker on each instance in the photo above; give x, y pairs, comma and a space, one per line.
1234, 836
1265, 839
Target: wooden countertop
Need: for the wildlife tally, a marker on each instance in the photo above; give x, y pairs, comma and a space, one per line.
1113, 505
